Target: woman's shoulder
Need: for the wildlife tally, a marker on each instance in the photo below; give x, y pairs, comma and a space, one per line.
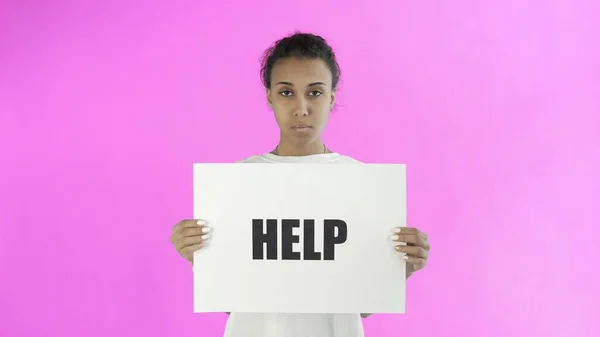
349, 160
258, 158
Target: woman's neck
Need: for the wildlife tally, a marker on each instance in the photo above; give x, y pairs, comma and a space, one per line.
287, 149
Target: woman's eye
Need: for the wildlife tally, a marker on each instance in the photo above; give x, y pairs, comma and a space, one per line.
288, 93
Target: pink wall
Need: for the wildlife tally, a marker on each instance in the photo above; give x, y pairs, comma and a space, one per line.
105, 105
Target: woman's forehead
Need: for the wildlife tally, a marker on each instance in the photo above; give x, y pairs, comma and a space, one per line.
301, 70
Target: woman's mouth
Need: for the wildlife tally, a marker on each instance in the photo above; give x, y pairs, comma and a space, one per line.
301, 127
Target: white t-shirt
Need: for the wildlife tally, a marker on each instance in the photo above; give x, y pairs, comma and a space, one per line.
295, 325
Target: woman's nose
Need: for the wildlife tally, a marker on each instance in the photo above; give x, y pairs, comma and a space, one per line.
301, 108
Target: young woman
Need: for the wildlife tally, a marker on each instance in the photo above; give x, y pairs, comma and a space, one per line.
300, 74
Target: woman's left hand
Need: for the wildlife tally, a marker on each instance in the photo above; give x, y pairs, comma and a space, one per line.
413, 245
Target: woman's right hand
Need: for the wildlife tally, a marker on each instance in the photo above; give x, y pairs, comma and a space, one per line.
189, 236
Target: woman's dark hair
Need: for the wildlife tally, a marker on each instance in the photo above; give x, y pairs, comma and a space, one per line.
302, 45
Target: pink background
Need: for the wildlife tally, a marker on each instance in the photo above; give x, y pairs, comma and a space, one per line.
493, 105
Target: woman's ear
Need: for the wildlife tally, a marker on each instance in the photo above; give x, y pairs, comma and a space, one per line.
269, 98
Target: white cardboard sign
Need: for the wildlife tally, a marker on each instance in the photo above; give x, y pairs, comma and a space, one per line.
300, 238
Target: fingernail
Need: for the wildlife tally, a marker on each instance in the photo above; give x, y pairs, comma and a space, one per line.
405, 258
205, 229
201, 222
205, 237
394, 237
396, 230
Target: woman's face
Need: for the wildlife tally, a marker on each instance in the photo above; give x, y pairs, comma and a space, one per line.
301, 97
